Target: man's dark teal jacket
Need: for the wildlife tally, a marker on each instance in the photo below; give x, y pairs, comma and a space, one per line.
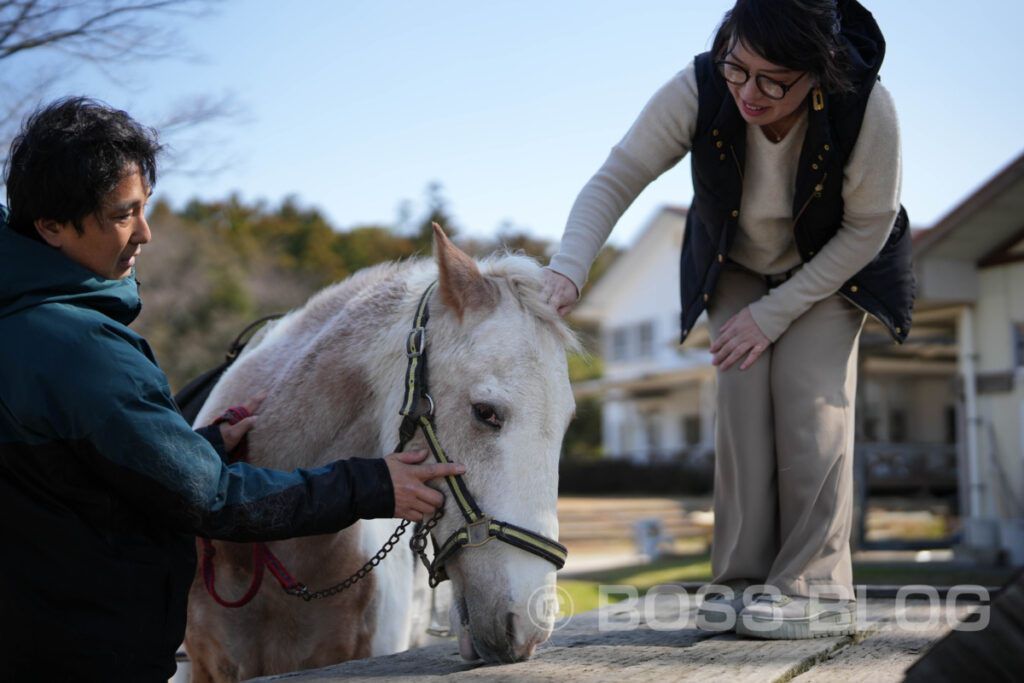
103, 485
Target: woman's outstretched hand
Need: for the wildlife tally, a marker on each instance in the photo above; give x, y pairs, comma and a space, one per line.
560, 292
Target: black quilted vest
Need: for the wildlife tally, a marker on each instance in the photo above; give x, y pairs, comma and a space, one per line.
884, 288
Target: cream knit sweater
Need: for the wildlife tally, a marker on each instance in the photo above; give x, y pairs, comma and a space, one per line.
764, 243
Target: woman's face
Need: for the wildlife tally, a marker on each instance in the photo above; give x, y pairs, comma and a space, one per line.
754, 105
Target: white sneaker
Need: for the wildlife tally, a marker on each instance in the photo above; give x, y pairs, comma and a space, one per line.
790, 617
719, 613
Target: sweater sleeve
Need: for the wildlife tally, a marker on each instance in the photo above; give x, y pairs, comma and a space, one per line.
871, 197
657, 141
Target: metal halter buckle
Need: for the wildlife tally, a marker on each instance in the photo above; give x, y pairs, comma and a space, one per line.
415, 342
478, 532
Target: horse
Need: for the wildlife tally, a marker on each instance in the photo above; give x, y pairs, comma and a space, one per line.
335, 373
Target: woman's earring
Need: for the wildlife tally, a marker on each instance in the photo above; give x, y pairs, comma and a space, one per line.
817, 99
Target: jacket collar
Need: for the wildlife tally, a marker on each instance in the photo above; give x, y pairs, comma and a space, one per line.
32, 273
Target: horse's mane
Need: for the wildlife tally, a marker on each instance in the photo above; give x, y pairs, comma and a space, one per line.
521, 275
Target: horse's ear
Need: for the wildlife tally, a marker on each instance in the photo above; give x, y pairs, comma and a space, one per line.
461, 285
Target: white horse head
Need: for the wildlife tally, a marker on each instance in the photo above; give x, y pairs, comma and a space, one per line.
503, 404
335, 370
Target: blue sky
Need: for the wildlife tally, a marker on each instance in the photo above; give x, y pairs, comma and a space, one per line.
355, 106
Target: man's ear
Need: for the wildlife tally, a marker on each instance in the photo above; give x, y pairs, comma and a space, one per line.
51, 231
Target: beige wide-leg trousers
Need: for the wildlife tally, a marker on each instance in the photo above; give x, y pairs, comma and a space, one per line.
783, 491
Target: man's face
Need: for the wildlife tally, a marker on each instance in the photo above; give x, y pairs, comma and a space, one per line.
112, 236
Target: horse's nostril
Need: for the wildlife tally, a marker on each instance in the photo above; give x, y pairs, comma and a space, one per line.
521, 643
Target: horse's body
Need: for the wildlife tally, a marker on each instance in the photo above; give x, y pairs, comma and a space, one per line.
334, 370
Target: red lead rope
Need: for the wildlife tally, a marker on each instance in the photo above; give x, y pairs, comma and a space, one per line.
261, 555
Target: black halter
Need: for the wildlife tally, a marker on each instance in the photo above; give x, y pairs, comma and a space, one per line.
418, 412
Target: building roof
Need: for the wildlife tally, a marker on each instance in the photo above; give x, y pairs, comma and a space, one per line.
988, 218
985, 229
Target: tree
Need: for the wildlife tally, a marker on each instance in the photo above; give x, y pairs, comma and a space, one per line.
42, 41
437, 212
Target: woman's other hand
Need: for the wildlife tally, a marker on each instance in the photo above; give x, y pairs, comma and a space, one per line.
740, 336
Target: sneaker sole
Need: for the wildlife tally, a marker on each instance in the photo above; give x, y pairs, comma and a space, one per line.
825, 626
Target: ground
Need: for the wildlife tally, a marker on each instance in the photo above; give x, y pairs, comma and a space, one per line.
654, 640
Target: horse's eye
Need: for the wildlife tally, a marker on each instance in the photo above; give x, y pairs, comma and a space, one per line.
486, 414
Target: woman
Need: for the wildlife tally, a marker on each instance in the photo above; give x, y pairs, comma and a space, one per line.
794, 233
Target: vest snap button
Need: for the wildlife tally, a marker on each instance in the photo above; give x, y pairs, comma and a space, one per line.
814, 166
715, 132
720, 259
721, 157
853, 288
705, 297
735, 213
719, 144
826, 148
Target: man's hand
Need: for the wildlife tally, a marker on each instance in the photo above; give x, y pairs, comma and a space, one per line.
740, 336
234, 433
560, 292
414, 500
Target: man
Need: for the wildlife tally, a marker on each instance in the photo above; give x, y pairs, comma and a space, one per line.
103, 485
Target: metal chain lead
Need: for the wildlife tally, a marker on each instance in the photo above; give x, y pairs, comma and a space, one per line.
418, 543
303, 592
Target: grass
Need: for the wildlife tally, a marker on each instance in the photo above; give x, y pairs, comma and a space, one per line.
583, 588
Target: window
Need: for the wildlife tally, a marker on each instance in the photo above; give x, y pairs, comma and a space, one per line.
1018, 344
898, 426
645, 340
951, 424
691, 429
652, 432
631, 341
620, 344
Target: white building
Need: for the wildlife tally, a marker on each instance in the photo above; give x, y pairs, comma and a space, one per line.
657, 398
970, 270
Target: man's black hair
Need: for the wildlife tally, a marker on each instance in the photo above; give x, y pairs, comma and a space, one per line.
68, 156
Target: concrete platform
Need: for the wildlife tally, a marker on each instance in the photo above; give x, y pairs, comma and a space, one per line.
655, 639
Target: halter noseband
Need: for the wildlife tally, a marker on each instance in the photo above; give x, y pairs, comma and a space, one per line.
418, 413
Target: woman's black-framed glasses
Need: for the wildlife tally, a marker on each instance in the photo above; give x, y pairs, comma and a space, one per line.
769, 87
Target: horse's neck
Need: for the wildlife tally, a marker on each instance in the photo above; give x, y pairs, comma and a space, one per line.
344, 391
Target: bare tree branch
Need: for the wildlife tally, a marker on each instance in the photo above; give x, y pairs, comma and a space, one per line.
102, 33
82, 28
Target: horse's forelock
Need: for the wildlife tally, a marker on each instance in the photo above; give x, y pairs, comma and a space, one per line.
523, 277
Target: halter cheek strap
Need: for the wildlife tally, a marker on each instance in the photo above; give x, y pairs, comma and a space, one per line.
418, 413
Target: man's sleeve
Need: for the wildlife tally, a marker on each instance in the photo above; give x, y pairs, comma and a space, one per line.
140, 445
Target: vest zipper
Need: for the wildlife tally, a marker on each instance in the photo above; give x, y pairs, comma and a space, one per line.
813, 195
737, 160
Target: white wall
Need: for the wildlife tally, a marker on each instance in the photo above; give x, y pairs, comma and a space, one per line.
1001, 446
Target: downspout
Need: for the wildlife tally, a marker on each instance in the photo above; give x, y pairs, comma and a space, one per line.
972, 423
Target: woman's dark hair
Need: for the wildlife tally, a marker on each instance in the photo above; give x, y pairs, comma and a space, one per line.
797, 34
68, 156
